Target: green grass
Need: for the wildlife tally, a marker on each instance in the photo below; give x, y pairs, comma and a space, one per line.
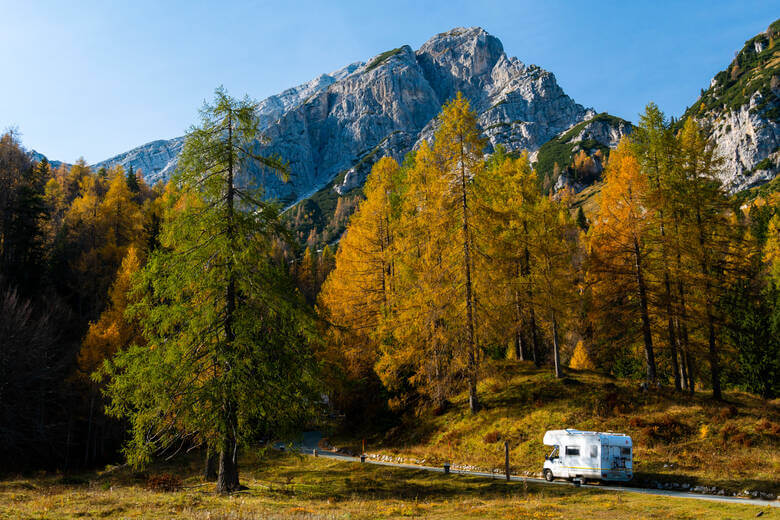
287, 486
695, 440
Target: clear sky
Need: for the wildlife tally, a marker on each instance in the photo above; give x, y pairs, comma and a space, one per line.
97, 78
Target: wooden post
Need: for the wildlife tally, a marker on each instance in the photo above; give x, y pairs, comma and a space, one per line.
364, 446
506, 459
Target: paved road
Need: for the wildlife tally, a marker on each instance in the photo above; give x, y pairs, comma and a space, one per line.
311, 441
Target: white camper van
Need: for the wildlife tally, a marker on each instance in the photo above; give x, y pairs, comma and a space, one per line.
592, 455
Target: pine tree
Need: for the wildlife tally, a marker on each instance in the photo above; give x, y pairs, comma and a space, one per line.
706, 229
112, 331
226, 356
459, 148
307, 275
121, 218
619, 245
553, 276
23, 217
656, 150
582, 220
326, 263
132, 181
355, 296
510, 194
421, 350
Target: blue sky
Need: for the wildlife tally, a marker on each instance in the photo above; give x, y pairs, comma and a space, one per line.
96, 78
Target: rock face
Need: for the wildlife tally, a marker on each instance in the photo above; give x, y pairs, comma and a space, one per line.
156, 160
749, 142
742, 110
333, 128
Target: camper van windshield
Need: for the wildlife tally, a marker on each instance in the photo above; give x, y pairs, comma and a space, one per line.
553, 453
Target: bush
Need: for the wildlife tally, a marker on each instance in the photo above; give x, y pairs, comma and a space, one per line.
665, 429
163, 482
492, 437
767, 427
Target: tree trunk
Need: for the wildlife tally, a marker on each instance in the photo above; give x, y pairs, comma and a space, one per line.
227, 479
210, 466
537, 357
646, 331
473, 359
683, 361
556, 353
89, 424
684, 344
672, 335
714, 363
705, 271
691, 373
535, 354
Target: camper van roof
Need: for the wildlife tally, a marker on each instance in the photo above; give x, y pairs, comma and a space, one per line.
552, 437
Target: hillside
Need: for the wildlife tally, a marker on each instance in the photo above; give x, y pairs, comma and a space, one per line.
595, 137
693, 440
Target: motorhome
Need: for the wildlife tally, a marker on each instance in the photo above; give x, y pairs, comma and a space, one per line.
588, 455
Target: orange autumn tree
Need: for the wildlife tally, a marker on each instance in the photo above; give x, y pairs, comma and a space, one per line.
459, 148
355, 295
418, 349
620, 250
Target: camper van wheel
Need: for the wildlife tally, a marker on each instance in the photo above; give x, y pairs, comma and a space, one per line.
548, 476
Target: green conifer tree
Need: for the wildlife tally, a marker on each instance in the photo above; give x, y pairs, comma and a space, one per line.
226, 358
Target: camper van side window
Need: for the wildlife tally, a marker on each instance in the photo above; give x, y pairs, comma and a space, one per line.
572, 450
594, 452
626, 452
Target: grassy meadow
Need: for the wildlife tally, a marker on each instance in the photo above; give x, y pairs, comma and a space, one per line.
290, 486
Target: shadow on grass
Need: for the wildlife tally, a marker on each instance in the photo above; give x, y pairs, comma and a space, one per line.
341, 481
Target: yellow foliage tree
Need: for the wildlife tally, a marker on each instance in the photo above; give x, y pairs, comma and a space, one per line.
620, 247
580, 360
355, 295
112, 331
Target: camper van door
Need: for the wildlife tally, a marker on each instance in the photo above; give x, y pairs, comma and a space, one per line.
616, 458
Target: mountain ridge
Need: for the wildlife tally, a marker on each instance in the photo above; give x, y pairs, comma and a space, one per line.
334, 126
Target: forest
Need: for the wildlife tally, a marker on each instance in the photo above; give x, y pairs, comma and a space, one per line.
143, 321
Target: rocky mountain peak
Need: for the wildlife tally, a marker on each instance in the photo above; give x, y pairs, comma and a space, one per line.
460, 59
333, 128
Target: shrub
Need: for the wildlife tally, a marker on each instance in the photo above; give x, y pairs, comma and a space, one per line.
665, 429
767, 427
163, 482
728, 431
727, 412
492, 437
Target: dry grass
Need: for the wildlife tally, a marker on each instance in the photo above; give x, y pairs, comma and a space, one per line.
285, 486
732, 445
